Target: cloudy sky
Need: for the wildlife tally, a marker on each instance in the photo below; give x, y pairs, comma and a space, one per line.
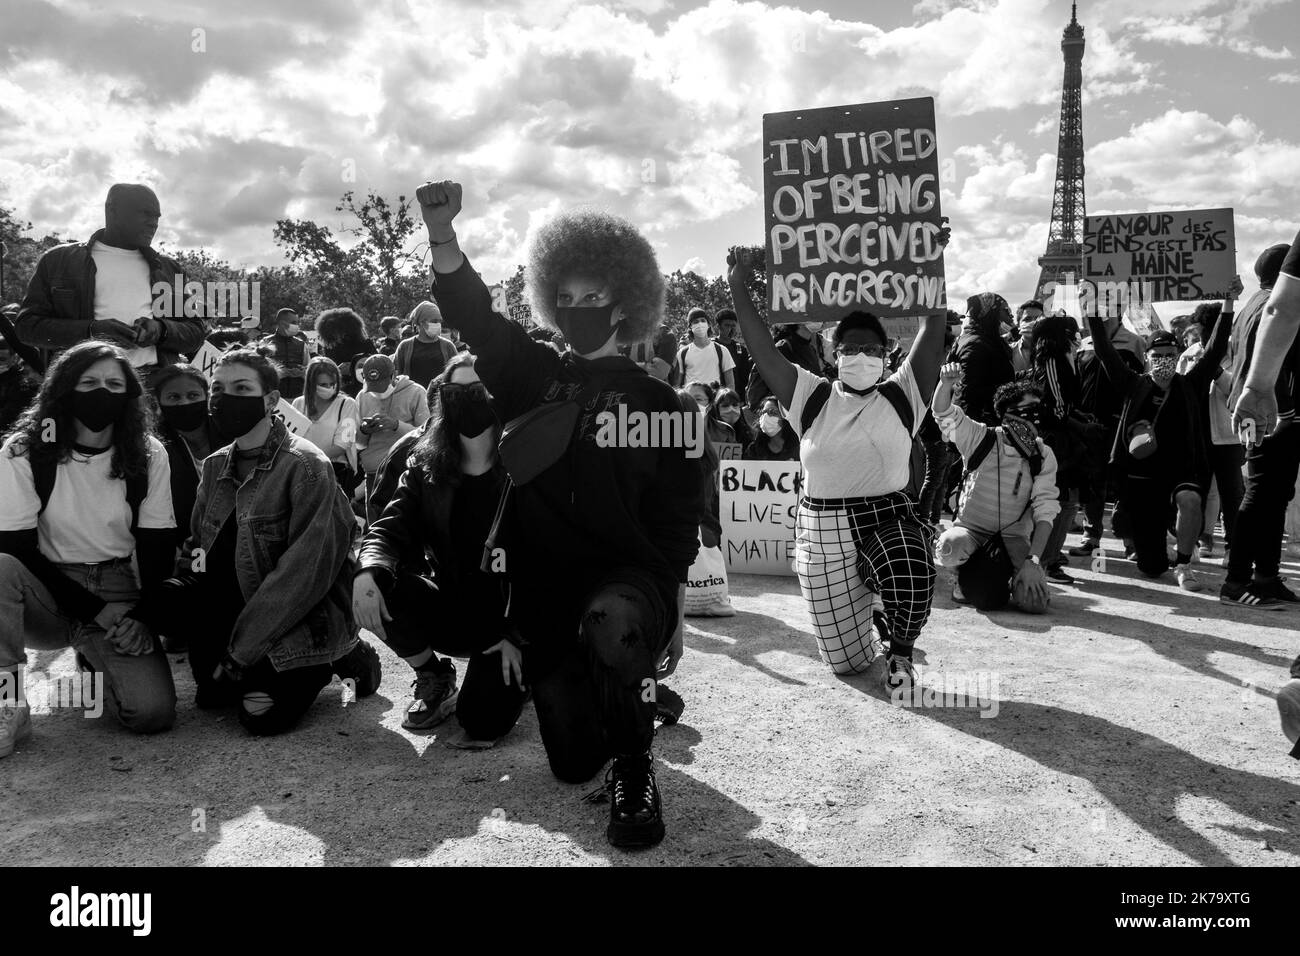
240, 112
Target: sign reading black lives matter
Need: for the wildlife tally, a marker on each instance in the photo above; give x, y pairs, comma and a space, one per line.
852, 196
1162, 256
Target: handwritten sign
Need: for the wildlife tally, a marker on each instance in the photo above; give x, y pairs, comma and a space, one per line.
294, 420
758, 505
1161, 256
205, 359
852, 205
728, 450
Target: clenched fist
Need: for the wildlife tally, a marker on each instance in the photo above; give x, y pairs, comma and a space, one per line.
439, 204
950, 373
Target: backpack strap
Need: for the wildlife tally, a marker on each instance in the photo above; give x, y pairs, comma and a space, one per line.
894, 392
981, 450
814, 405
45, 473
719, 350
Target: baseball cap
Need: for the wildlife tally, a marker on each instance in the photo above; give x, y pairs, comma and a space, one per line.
1163, 338
285, 314
250, 322
376, 367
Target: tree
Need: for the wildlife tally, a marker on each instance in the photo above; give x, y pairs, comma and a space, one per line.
21, 253
384, 230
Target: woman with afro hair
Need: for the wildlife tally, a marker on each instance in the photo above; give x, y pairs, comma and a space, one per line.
598, 545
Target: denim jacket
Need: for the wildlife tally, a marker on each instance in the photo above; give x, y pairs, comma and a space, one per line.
293, 554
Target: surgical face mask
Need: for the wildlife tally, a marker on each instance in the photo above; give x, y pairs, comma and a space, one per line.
586, 330
291, 328
433, 330
326, 392
769, 424
700, 330
860, 371
385, 393
1162, 369
729, 414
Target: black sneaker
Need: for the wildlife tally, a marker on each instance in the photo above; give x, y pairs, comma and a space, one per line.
1276, 589
1244, 596
1059, 575
435, 697
669, 705
1086, 549
635, 814
361, 666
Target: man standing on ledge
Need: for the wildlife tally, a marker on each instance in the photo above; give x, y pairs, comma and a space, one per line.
103, 288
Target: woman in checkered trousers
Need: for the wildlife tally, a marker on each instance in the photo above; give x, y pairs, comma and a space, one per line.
862, 555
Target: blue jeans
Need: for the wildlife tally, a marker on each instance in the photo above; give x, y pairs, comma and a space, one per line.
138, 690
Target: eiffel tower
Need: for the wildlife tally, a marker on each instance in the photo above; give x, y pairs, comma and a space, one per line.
1062, 263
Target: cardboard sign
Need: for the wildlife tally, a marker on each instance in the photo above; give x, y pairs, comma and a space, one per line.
294, 420
728, 450
1161, 256
852, 211
758, 505
205, 359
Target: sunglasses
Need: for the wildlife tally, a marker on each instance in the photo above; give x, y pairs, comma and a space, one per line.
470, 389
848, 348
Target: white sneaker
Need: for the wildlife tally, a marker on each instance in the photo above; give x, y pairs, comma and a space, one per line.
1188, 580
15, 727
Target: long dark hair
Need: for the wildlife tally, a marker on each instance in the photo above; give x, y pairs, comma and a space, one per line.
1052, 339
317, 365
438, 451
53, 405
740, 426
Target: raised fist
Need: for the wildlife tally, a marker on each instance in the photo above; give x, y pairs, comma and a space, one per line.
439, 204
950, 373
738, 264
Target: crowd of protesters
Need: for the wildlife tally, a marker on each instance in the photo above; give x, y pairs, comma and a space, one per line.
448, 493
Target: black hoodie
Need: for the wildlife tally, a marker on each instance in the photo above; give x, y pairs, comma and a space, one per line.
596, 510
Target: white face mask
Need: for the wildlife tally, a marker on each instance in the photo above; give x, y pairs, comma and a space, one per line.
385, 393
291, 329
326, 392
769, 424
433, 331
860, 371
701, 330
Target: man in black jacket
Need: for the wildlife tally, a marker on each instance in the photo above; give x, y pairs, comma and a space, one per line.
104, 288
984, 356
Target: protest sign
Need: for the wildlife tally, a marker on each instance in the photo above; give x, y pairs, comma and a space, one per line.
852, 211
758, 505
294, 420
205, 359
728, 450
1160, 256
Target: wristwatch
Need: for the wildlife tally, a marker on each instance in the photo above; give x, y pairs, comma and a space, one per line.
1035, 559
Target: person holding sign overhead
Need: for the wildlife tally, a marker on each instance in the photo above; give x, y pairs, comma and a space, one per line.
857, 533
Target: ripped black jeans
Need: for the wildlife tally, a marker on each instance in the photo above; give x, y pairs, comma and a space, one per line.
594, 690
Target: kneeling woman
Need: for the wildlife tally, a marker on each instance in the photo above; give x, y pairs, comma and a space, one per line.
444, 507
262, 594
84, 486
606, 532
857, 531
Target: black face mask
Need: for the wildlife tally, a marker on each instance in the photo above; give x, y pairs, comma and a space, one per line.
474, 417
185, 418
586, 330
98, 408
235, 415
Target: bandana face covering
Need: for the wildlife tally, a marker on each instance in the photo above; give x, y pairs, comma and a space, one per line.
587, 330
1022, 434
1163, 369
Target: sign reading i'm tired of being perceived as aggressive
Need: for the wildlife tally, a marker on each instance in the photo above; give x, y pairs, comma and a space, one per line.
853, 220
1161, 256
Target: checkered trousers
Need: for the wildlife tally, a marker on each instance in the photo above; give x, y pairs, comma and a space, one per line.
856, 555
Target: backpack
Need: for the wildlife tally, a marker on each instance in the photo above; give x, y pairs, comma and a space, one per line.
46, 472
894, 393
681, 363
985, 446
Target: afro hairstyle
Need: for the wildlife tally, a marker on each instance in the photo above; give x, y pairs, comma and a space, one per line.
601, 245
1012, 392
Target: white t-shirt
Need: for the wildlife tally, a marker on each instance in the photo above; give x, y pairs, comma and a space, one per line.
87, 519
337, 425
701, 364
122, 292
857, 447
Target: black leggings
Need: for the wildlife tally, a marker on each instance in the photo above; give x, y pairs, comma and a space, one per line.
593, 674
1271, 468
1146, 513
424, 619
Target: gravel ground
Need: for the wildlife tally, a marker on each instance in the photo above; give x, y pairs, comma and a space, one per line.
1135, 725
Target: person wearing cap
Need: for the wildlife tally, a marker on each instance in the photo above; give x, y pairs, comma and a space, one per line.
423, 356
984, 357
1160, 448
103, 288
1265, 370
390, 405
288, 347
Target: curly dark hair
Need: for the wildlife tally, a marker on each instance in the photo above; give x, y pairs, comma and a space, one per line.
53, 404
1012, 392
1052, 338
588, 242
438, 451
860, 320
339, 327
267, 369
